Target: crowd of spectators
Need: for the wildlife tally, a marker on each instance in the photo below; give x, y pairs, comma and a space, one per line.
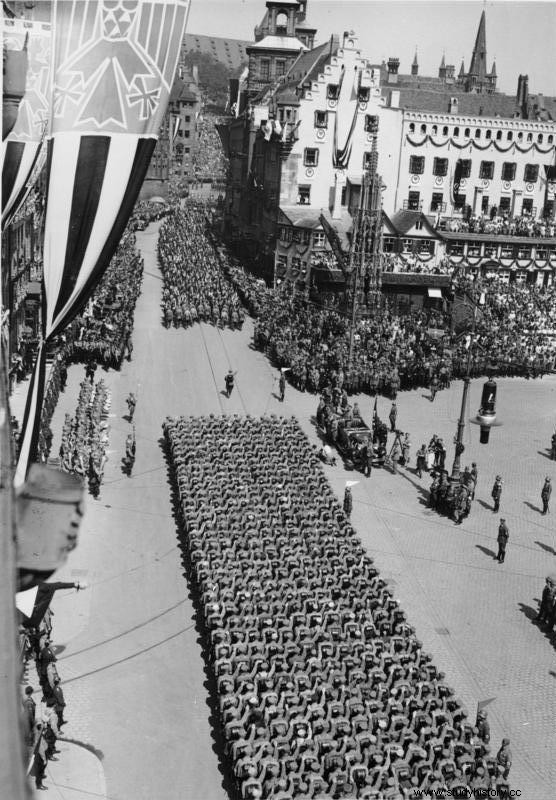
524, 225
85, 436
145, 212
324, 690
104, 331
195, 288
394, 262
208, 159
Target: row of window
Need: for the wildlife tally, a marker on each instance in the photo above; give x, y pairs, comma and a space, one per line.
463, 169
279, 68
311, 157
371, 121
521, 136
415, 203
485, 250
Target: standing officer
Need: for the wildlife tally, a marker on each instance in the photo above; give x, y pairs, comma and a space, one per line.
60, 702
229, 380
503, 536
496, 493
483, 727
348, 502
29, 714
282, 386
433, 387
393, 416
504, 757
421, 460
547, 601
546, 491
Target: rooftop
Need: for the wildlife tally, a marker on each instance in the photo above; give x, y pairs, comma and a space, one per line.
278, 43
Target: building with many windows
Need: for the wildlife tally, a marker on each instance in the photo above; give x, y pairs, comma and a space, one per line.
473, 169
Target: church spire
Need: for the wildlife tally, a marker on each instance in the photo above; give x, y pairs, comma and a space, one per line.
415, 65
478, 69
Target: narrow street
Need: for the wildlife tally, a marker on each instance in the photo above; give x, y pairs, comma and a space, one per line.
129, 652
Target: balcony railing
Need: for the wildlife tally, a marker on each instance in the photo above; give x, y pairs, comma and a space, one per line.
413, 205
438, 207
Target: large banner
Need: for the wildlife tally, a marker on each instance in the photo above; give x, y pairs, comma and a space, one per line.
21, 148
113, 68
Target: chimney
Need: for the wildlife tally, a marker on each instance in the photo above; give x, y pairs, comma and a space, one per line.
453, 105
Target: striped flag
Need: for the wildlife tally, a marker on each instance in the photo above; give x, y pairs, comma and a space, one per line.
112, 72
20, 150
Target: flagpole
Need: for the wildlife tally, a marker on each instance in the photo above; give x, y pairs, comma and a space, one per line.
458, 441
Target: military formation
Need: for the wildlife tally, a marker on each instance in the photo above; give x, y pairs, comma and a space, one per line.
323, 688
195, 288
85, 436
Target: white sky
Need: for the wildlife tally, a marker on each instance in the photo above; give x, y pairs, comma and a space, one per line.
521, 34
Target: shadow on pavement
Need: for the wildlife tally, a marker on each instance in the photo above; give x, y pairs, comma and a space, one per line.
529, 611
482, 503
546, 547
532, 506
546, 454
486, 550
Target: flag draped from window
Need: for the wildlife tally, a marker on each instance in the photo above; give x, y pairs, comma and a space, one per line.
21, 148
113, 66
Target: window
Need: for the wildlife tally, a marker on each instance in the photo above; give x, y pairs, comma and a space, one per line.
524, 252
509, 136
467, 133
186, 134
304, 195
507, 251
440, 167
413, 201
434, 130
484, 204
487, 170
319, 238
285, 234
425, 247
491, 250
423, 128
473, 250
550, 139
412, 127
455, 248
505, 203
344, 196
520, 136
265, 69
416, 165
529, 137
527, 208
508, 170
389, 244
186, 149
498, 135
407, 245
363, 94
332, 91
188, 119
445, 130
280, 67
456, 131
488, 134
311, 156
531, 173
465, 167
371, 123
540, 138
367, 160
436, 202
321, 119
459, 201
477, 133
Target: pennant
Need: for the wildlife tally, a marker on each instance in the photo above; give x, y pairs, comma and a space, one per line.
25, 601
21, 148
112, 71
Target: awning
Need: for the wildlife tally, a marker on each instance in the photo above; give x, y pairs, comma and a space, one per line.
434, 293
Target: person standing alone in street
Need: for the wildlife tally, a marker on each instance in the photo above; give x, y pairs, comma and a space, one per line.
546, 491
503, 536
393, 416
496, 493
282, 386
229, 380
348, 502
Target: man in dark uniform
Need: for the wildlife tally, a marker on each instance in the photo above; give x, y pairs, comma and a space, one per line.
229, 380
546, 491
504, 757
29, 711
282, 386
421, 460
483, 727
348, 502
393, 416
503, 536
496, 493
433, 387
547, 601
60, 702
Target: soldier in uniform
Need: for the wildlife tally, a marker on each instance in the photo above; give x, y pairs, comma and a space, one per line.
282, 386
496, 493
483, 726
433, 387
348, 502
547, 601
553, 447
393, 416
474, 476
229, 381
546, 491
421, 460
131, 401
503, 536
504, 757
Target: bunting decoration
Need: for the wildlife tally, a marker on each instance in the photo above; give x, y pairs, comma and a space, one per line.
176, 128
113, 67
20, 150
456, 182
344, 121
473, 143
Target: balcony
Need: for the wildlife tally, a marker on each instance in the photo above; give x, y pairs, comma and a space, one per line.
438, 208
412, 205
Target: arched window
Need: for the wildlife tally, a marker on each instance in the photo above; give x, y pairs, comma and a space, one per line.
434, 130
467, 133
550, 139
488, 134
540, 138
498, 135
423, 128
456, 131
510, 136
519, 136
478, 133
445, 130
281, 22
412, 127
529, 137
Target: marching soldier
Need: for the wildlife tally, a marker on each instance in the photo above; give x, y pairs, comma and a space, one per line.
504, 757
546, 491
496, 493
348, 502
503, 536
547, 601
